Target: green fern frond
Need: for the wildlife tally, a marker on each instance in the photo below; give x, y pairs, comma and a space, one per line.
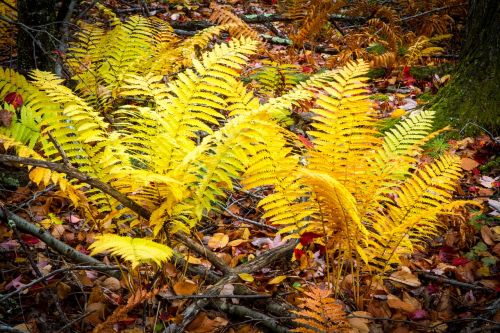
135, 250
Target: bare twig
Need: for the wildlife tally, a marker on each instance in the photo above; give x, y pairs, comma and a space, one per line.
259, 224
449, 281
432, 11
55, 272
255, 296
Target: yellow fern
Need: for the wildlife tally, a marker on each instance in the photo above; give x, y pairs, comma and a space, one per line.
134, 250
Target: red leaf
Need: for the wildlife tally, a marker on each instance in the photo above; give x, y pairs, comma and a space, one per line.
298, 253
14, 99
306, 69
460, 261
473, 189
30, 240
476, 172
305, 141
307, 238
408, 79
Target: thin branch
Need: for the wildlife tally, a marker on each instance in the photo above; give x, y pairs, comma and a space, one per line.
432, 11
259, 224
76, 174
175, 297
446, 280
54, 243
211, 256
57, 271
8, 329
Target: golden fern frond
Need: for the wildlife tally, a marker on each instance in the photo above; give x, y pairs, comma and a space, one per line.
238, 27
319, 312
296, 10
343, 132
385, 60
134, 250
412, 214
337, 217
387, 31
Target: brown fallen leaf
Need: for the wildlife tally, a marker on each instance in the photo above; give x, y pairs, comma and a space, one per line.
487, 235
396, 303
360, 325
97, 313
468, 164
185, 287
62, 290
406, 277
203, 324
112, 284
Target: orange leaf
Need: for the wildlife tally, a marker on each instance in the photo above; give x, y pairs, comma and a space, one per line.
186, 287
218, 241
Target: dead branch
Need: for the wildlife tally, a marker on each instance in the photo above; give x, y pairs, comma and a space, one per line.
242, 311
449, 281
54, 243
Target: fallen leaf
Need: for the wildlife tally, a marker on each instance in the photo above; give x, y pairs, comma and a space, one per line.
203, 324
277, 279
487, 235
218, 241
236, 242
186, 287
395, 302
246, 277
112, 284
405, 276
360, 325
63, 290
97, 312
468, 164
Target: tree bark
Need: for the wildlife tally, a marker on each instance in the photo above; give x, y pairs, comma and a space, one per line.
471, 100
35, 39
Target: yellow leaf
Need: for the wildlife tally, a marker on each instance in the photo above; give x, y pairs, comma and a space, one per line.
37, 174
398, 113
246, 277
236, 242
277, 279
218, 241
194, 260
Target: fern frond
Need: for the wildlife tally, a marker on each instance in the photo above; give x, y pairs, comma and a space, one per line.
412, 216
135, 250
319, 312
343, 132
238, 27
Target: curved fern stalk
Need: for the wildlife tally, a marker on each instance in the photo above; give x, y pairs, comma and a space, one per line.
412, 217
343, 133
337, 217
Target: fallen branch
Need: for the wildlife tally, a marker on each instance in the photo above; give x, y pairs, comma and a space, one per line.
54, 243
449, 281
242, 311
83, 177
5, 328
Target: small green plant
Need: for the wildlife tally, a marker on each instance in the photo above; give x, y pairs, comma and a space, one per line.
437, 146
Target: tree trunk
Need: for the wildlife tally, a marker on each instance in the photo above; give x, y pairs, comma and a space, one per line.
471, 100
35, 40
